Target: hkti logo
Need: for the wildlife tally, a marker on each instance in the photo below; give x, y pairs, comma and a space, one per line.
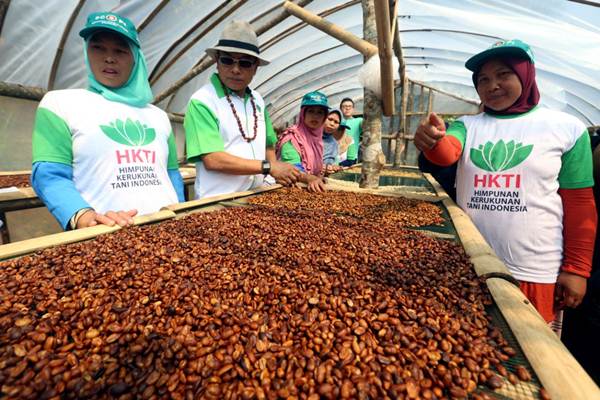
129, 133
500, 156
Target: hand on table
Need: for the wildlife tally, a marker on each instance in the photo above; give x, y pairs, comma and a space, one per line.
315, 184
92, 218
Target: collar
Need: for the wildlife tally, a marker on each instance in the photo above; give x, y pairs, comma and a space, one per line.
216, 82
511, 116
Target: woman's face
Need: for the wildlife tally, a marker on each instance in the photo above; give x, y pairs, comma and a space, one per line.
314, 117
497, 85
332, 123
110, 59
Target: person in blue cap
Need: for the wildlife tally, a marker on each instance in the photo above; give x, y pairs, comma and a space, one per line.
302, 144
104, 154
524, 176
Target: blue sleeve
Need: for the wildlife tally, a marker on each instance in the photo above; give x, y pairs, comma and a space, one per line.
299, 167
53, 183
328, 160
177, 182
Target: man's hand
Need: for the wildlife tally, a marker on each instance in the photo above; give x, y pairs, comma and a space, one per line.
284, 173
570, 289
315, 184
429, 132
92, 218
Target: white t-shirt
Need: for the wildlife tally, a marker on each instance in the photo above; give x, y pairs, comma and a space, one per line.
508, 179
119, 153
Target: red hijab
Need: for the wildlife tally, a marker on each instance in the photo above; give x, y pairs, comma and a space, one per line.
308, 142
530, 95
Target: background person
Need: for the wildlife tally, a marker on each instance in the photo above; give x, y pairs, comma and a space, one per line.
301, 145
355, 127
105, 154
228, 131
330, 144
524, 177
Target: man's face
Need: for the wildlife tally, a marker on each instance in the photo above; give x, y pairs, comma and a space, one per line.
347, 109
236, 70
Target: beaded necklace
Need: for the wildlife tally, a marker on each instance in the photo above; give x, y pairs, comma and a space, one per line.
246, 138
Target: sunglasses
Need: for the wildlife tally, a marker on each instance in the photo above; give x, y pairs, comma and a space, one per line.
243, 63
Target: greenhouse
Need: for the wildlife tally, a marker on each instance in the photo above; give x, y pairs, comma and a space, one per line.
180, 219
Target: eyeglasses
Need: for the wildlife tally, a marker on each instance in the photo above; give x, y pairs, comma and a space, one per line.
243, 63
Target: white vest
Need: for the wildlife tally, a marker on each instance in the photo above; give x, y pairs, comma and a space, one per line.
212, 183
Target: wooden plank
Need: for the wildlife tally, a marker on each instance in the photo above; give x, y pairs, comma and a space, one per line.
21, 172
558, 371
32, 245
332, 184
192, 204
20, 194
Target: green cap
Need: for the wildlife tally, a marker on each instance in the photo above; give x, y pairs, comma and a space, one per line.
314, 99
110, 21
514, 48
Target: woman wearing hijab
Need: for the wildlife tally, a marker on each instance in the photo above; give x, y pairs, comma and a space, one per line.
524, 177
104, 154
302, 144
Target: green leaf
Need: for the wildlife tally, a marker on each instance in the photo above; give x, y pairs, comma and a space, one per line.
487, 155
521, 153
498, 155
114, 134
132, 132
510, 151
150, 135
120, 126
478, 160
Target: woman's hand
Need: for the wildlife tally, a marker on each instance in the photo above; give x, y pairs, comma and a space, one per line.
330, 169
570, 289
315, 184
429, 132
92, 218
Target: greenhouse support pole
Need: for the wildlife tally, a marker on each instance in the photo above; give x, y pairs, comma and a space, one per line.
20, 91
3, 10
397, 45
373, 158
362, 46
61, 44
207, 62
406, 133
384, 43
454, 96
400, 142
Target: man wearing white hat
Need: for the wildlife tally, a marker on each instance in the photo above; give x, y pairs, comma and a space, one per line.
228, 131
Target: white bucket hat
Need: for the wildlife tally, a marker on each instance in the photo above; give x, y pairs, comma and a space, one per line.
238, 37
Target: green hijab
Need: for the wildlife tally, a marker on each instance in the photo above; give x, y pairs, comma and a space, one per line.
136, 91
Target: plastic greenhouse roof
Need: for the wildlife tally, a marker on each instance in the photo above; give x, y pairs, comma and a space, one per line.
437, 37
